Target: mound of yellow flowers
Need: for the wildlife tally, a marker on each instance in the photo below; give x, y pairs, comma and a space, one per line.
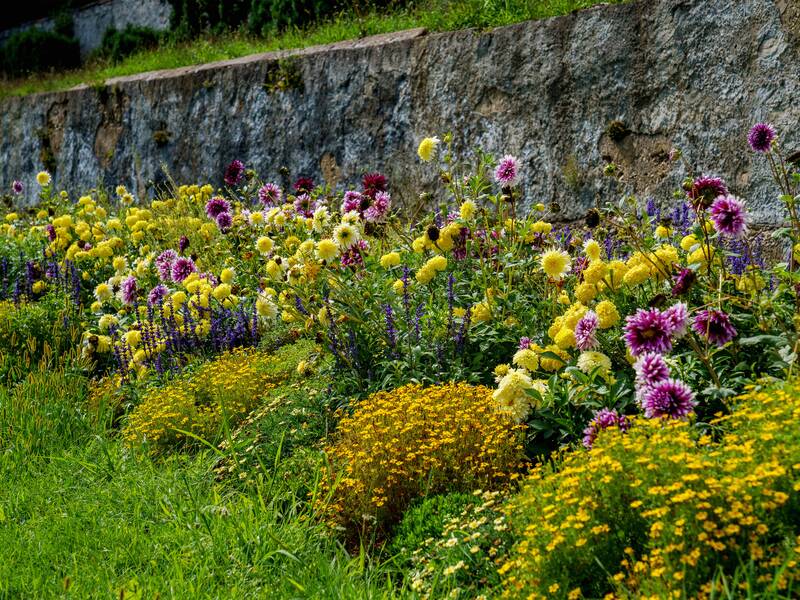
415, 441
197, 404
659, 511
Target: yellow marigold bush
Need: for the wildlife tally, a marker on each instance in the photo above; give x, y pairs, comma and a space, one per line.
659, 512
414, 441
228, 387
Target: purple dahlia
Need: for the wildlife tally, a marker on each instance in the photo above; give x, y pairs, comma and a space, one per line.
216, 206
714, 325
683, 282
157, 294
182, 268
603, 419
651, 368
761, 136
305, 205
224, 221
647, 331
234, 173
129, 290
669, 398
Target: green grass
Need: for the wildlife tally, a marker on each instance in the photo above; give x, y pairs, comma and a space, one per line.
83, 516
96, 520
434, 15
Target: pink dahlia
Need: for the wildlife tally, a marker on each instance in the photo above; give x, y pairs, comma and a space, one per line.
728, 216
507, 171
164, 263
585, 331
379, 208
270, 194
678, 318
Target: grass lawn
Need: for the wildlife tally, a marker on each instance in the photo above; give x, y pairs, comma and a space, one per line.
435, 15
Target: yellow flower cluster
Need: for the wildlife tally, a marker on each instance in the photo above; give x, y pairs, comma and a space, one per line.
654, 513
198, 403
412, 442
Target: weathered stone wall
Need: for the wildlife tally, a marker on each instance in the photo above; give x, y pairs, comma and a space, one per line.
692, 74
92, 21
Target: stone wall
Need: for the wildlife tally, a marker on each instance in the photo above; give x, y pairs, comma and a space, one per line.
92, 21
691, 74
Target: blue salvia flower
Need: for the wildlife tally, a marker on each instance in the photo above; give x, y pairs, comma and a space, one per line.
451, 300
391, 331
461, 336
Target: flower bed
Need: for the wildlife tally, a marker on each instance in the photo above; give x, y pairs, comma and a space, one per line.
448, 354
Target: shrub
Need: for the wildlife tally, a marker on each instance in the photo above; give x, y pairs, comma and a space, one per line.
294, 416
36, 50
118, 44
661, 511
425, 521
220, 391
412, 442
459, 561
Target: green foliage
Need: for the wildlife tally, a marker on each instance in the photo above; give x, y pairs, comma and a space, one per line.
42, 333
42, 414
36, 50
121, 43
426, 520
293, 416
458, 559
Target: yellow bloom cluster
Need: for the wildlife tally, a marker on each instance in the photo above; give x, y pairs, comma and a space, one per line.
198, 403
415, 441
656, 511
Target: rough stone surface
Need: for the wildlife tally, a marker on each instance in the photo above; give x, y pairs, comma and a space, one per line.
92, 21
692, 74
